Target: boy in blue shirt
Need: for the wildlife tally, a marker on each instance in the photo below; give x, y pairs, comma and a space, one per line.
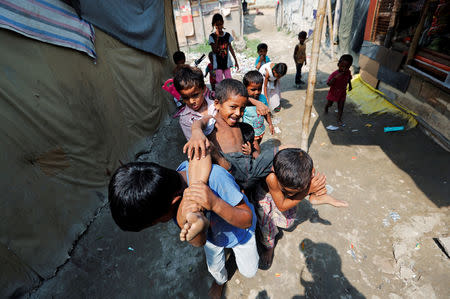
262, 55
142, 194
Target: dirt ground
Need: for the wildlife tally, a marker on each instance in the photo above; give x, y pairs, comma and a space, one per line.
381, 246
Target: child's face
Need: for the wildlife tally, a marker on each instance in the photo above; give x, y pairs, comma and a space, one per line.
276, 75
219, 26
232, 109
294, 193
193, 97
343, 66
254, 90
262, 52
301, 40
181, 62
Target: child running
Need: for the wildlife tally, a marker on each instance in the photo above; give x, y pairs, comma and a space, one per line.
262, 55
300, 57
272, 88
210, 70
338, 81
253, 81
220, 42
276, 199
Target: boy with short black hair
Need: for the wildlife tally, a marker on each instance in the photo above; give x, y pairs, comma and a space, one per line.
143, 194
262, 55
179, 58
300, 57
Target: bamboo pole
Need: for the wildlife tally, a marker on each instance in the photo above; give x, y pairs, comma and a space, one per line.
330, 28
337, 17
312, 73
415, 40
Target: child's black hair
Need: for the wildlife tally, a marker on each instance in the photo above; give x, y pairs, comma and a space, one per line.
187, 77
140, 193
178, 56
210, 56
253, 77
216, 18
302, 34
347, 57
293, 168
261, 46
228, 88
280, 68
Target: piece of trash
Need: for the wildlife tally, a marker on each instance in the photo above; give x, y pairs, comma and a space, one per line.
99, 249
332, 128
329, 189
335, 276
190, 268
351, 245
417, 246
277, 130
322, 144
355, 130
394, 216
386, 222
237, 281
352, 253
277, 274
275, 121
313, 114
336, 111
368, 125
302, 245
353, 158
130, 248
393, 129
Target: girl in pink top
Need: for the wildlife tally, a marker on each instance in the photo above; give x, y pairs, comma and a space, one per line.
338, 81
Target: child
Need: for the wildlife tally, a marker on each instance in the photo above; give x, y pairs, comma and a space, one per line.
220, 42
143, 194
272, 74
253, 81
189, 82
276, 200
338, 81
300, 57
210, 70
180, 59
248, 164
262, 55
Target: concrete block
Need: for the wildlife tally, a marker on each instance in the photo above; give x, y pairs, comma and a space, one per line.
415, 85
435, 103
428, 90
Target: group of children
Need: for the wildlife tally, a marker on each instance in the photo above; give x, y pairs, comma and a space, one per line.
229, 185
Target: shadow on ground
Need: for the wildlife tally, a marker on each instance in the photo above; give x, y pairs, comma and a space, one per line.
249, 23
410, 150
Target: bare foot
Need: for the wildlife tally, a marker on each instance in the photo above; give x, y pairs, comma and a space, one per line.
266, 258
196, 223
327, 199
215, 291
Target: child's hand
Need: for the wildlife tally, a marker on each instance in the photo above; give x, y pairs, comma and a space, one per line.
236, 65
247, 148
261, 108
196, 146
189, 206
201, 194
318, 184
272, 129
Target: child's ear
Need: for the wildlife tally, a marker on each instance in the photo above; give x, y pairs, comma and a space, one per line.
216, 104
313, 171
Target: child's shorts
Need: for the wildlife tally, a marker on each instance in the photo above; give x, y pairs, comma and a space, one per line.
247, 171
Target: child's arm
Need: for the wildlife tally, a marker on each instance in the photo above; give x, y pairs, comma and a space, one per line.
266, 79
234, 56
198, 144
268, 118
295, 53
239, 215
261, 108
331, 81
350, 83
260, 62
283, 204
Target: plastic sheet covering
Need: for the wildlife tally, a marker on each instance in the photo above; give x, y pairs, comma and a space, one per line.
370, 100
65, 123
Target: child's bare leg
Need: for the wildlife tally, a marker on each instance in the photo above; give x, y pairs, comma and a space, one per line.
340, 111
328, 105
326, 199
215, 291
196, 223
266, 257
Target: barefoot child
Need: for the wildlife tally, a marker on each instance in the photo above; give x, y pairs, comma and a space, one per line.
143, 194
253, 81
220, 42
292, 179
300, 57
272, 91
338, 81
262, 55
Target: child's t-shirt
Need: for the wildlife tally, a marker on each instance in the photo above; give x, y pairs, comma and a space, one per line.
222, 60
259, 57
188, 116
300, 53
220, 232
252, 118
338, 90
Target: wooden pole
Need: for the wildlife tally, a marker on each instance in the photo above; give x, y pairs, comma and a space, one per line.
415, 40
312, 73
330, 28
337, 17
